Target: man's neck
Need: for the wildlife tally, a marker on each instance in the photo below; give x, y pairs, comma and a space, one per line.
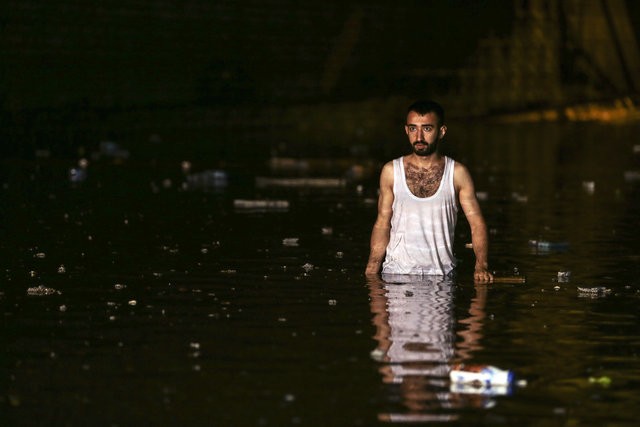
425, 161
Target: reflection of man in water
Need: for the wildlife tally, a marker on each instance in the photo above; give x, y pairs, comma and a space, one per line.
420, 194
417, 342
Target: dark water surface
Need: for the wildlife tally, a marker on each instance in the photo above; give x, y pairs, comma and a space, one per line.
167, 305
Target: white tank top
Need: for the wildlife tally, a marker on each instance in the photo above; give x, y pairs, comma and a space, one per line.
422, 228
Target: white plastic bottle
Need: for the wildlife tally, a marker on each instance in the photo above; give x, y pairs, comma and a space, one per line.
481, 376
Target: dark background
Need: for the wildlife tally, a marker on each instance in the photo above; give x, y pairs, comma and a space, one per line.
69, 67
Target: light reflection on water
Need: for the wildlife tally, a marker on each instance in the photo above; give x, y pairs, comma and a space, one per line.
217, 318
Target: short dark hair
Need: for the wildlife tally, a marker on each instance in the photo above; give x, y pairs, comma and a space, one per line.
423, 107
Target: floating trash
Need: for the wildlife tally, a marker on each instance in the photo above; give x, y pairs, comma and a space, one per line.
564, 276
290, 241
519, 197
482, 195
480, 379
261, 205
604, 381
593, 292
483, 374
589, 186
208, 179
42, 291
262, 182
326, 231
378, 355
62, 269
288, 164
545, 245
308, 267
77, 175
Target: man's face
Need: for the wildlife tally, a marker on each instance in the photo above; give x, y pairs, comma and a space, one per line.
424, 132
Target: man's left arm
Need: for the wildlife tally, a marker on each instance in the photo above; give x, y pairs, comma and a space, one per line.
471, 208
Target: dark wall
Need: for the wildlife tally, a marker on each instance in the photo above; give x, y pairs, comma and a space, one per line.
117, 53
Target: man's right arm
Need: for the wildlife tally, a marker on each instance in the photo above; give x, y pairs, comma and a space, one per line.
382, 227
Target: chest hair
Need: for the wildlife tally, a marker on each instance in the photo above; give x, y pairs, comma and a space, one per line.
424, 182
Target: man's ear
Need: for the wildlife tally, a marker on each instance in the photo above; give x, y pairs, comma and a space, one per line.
443, 130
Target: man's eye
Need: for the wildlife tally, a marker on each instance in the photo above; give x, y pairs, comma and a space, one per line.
412, 128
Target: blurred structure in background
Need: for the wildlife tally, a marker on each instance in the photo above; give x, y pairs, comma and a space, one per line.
560, 53
165, 72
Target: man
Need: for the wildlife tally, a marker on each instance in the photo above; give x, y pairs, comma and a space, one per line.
420, 195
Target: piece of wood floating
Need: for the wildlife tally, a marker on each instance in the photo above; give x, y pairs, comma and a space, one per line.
509, 279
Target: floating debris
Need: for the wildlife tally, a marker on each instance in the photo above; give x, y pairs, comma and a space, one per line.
77, 175
481, 379
62, 269
521, 198
326, 231
510, 279
185, 165
262, 182
290, 241
214, 178
545, 245
261, 205
308, 267
42, 291
564, 276
589, 186
604, 381
593, 292
482, 195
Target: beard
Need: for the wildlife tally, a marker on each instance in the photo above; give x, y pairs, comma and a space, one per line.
426, 150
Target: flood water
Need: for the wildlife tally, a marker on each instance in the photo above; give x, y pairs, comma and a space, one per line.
137, 297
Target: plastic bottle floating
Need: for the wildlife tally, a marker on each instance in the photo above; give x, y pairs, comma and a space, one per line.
481, 379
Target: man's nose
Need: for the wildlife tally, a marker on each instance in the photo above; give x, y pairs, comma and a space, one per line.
420, 135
